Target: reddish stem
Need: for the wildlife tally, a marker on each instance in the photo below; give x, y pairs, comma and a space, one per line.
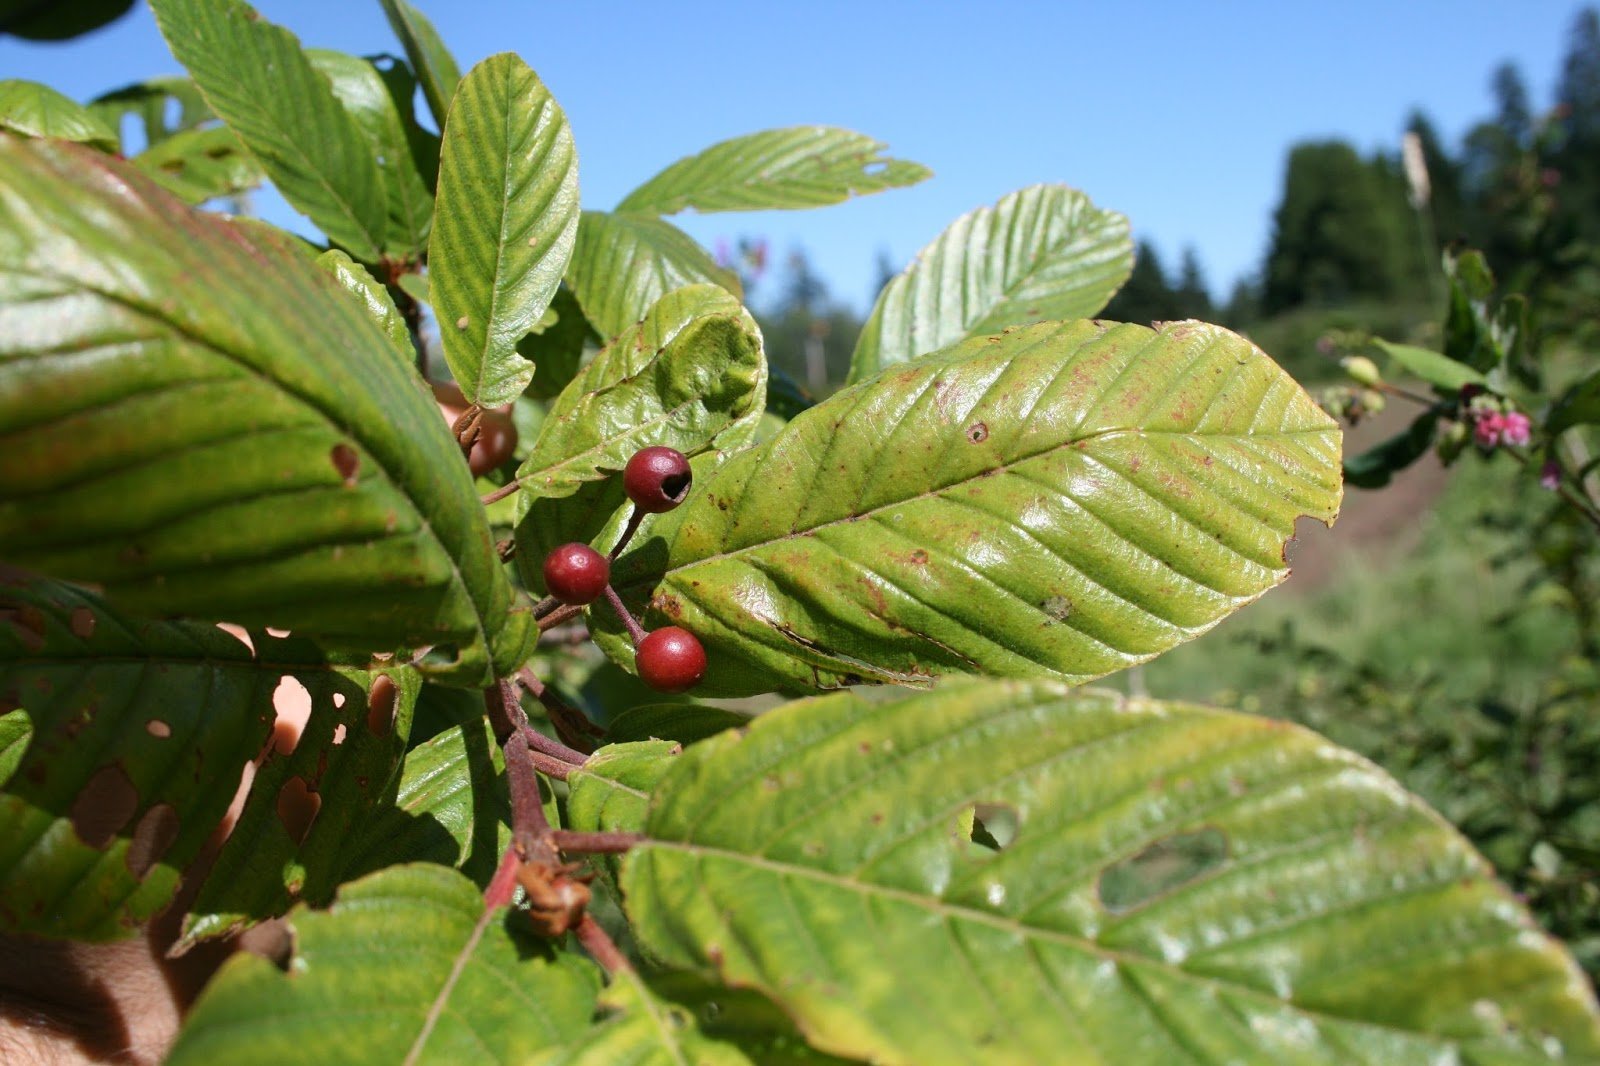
635, 630
600, 946
628, 531
570, 840
503, 886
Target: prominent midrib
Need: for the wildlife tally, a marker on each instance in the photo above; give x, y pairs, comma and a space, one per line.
650, 581
1023, 931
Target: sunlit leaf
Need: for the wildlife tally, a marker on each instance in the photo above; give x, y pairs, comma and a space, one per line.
1066, 499
1044, 252
1183, 885
201, 164
1437, 370
507, 218
623, 264
801, 166
436, 68
257, 79
380, 102
35, 110
639, 1028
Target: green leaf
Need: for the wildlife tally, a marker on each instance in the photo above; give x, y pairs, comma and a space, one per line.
557, 350
612, 789
448, 807
681, 377
380, 102
374, 298
688, 376
36, 21
1437, 370
623, 264
412, 967
1578, 405
801, 166
685, 723
164, 106
642, 1029
1066, 499
1183, 884
200, 165
435, 67
1376, 467
507, 218
1044, 252
255, 77
35, 110
273, 458
16, 732
139, 732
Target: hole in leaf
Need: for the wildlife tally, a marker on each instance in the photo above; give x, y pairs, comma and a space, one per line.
298, 806
238, 633
151, 838
105, 805
1163, 866
293, 703
158, 729
277, 634
978, 432
380, 706
338, 699
995, 825
338, 734
877, 166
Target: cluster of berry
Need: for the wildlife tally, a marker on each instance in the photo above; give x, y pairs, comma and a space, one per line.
669, 659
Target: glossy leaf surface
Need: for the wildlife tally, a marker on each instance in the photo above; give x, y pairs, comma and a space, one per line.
257, 79
689, 375
277, 460
800, 166
472, 987
35, 110
624, 263
1182, 885
507, 217
1044, 252
1065, 499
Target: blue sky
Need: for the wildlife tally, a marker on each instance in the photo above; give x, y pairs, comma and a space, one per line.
1177, 114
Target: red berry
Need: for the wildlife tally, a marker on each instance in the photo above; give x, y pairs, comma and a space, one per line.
576, 573
670, 660
657, 479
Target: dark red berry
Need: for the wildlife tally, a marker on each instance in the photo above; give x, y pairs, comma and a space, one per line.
657, 479
576, 573
670, 660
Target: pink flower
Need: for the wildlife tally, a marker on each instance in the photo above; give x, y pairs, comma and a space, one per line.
1514, 429
1487, 429
1550, 475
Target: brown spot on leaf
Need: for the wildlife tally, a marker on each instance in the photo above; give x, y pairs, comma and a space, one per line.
978, 432
81, 622
105, 805
919, 558
151, 838
298, 806
380, 705
462, 322
346, 462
